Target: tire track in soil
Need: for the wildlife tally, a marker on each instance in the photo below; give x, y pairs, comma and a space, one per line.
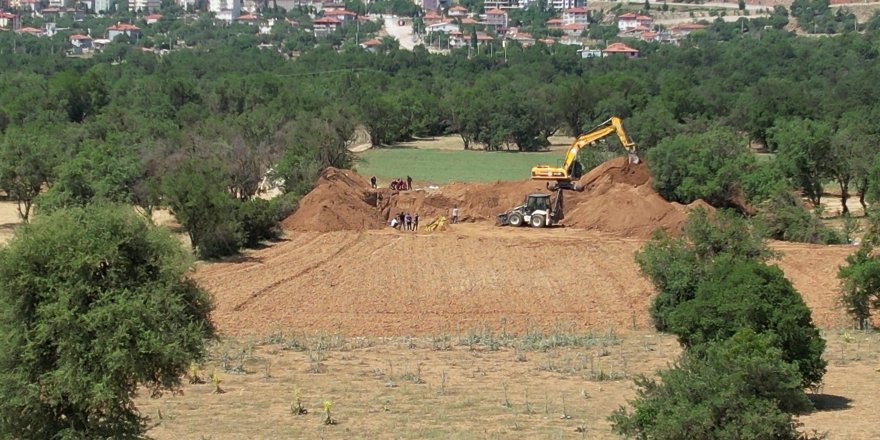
277, 251
343, 249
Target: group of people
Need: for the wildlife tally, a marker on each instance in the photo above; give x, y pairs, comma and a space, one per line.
396, 184
405, 221
401, 184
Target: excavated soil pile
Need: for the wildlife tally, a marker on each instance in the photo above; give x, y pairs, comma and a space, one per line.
342, 200
618, 199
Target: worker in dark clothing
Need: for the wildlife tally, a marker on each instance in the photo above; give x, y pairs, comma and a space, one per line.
408, 182
373, 182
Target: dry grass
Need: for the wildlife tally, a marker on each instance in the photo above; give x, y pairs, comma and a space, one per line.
407, 388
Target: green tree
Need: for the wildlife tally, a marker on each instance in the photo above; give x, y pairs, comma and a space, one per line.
804, 153
784, 217
196, 193
95, 303
27, 161
860, 279
734, 295
737, 388
705, 166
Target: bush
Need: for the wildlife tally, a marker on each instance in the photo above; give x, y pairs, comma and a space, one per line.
196, 194
95, 303
860, 283
785, 217
676, 265
738, 388
705, 166
259, 220
742, 294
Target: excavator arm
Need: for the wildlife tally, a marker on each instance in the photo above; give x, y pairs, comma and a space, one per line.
614, 125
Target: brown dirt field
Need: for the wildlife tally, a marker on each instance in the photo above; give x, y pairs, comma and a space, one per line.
372, 386
391, 283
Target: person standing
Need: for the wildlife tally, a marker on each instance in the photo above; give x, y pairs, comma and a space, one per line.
408, 221
455, 215
408, 183
416, 222
373, 182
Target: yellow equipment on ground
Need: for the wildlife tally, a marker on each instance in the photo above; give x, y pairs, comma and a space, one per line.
438, 223
565, 174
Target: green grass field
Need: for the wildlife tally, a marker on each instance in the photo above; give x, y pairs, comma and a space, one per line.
444, 166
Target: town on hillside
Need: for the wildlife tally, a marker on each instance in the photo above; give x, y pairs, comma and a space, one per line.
439, 25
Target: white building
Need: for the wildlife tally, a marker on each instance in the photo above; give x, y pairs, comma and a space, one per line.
576, 16
561, 5
144, 5
445, 27
102, 5
226, 10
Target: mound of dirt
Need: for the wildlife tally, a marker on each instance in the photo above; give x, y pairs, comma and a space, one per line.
342, 200
618, 198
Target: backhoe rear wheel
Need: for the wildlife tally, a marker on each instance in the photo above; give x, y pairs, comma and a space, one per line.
515, 219
538, 221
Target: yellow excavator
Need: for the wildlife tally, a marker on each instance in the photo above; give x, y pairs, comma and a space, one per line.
539, 210
564, 175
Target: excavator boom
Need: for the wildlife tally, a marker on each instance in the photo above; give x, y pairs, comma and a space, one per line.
614, 125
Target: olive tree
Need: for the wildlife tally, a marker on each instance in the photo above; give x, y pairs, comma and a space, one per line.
95, 303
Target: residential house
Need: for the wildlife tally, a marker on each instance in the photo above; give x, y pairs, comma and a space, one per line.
586, 52
523, 38
685, 29
129, 30
251, 5
153, 18
576, 16
325, 25
553, 23
144, 5
627, 21
630, 21
226, 10
457, 11
620, 49
101, 6
292, 22
430, 5
266, 27
445, 27
458, 39
573, 30
9, 20
27, 5
55, 3
561, 5
31, 31
51, 12
371, 45
497, 19
248, 19
432, 17
341, 14
468, 21
500, 4
81, 41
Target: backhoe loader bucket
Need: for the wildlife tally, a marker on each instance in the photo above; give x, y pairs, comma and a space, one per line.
438, 223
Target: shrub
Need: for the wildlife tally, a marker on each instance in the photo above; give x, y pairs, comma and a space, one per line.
259, 220
784, 217
738, 294
733, 389
860, 283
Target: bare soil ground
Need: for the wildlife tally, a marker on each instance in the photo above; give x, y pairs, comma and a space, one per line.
452, 387
8, 220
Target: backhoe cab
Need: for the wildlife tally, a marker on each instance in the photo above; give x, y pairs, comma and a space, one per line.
538, 210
